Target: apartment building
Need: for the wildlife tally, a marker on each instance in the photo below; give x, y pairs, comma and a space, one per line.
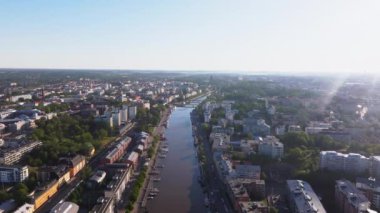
349, 199
14, 174
371, 189
247, 172
302, 197
270, 146
350, 163
11, 155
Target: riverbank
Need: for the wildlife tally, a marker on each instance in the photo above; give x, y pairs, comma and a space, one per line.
139, 205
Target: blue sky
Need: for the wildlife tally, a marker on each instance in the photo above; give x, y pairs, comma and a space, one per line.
227, 35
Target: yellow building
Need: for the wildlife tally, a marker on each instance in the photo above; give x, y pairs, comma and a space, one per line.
43, 194
65, 178
76, 164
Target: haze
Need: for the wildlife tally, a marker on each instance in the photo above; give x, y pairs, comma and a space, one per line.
241, 35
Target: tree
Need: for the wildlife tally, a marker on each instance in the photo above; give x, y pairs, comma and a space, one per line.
20, 193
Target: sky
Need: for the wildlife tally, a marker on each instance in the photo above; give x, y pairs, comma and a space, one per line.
301, 36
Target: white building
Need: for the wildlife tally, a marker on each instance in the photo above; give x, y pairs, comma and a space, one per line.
65, 207
272, 147
351, 163
16, 98
13, 174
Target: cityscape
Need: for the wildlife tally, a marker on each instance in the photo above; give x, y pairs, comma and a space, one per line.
170, 106
174, 142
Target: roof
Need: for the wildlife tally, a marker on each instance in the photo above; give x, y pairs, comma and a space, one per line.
352, 194
304, 197
77, 160
65, 207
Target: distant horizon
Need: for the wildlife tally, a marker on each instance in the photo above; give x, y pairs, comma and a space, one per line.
235, 72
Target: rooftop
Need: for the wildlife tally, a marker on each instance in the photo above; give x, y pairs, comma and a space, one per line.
304, 197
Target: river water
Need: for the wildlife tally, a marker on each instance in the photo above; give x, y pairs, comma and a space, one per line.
179, 187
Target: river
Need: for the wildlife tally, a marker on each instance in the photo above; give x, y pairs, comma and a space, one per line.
179, 187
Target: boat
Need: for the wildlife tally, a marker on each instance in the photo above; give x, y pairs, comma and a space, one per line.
162, 156
156, 179
153, 172
154, 190
150, 197
152, 194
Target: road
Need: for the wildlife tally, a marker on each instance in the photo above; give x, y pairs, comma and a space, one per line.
64, 192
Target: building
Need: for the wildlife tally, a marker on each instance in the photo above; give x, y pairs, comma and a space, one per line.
75, 163
106, 119
116, 118
97, 178
118, 184
8, 206
14, 174
65, 207
16, 98
256, 127
371, 189
124, 113
132, 159
270, 146
294, 128
349, 199
44, 193
237, 193
118, 151
350, 163
375, 166
223, 164
207, 116
104, 205
11, 155
253, 207
132, 112
302, 197
247, 172
26, 208
220, 141
317, 127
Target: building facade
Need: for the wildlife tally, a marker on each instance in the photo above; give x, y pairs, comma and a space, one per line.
13, 174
